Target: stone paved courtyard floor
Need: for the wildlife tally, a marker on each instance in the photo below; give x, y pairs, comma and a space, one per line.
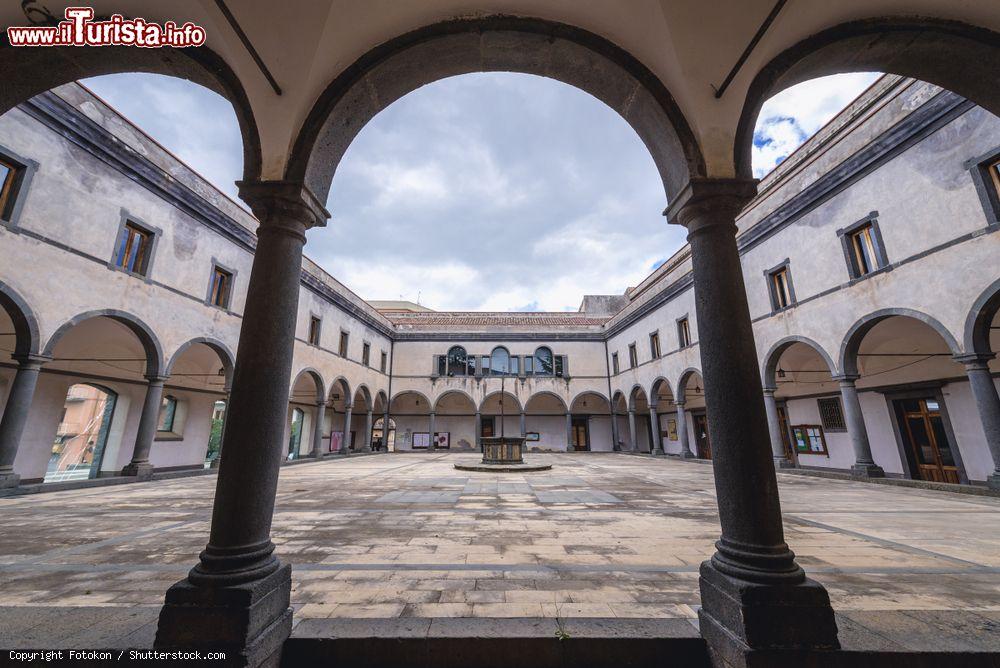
406, 535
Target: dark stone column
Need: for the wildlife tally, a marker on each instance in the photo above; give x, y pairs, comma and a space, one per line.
146, 432
864, 464
774, 427
367, 441
614, 433
633, 441
988, 403
317, 439
656, 447
479, 431
217, 462
237, 597
569, 432
756, 601
345, 435
15, 414
682, 432
430, 429
385, 430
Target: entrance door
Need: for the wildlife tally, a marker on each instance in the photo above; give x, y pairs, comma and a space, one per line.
82, 435
581, 435
786, 440
295, 433
922, 429
487, 427
701, 439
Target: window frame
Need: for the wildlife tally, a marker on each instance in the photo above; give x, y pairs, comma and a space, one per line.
366, 353
985, 172
655, 351
633, 355
318, 320
772, 290
383, 363
538, 366
847, 236
615, 364
344, 344
154, 233
231, 273
830, 428
16, 187
684, 332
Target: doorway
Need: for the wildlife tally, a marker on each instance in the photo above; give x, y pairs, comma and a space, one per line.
488, 427
786, 439
928, 448
580, 433
701, 438
82, 436
295, 433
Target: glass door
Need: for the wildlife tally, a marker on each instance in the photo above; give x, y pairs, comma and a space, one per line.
701, 438
922, 429
581, 437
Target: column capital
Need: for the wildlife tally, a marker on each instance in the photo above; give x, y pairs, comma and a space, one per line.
283, 204
31, 360
680, 404
769, 390
705, 202
846, 378
974, 360
156, 379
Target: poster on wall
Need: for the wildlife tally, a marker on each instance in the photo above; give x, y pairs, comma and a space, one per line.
421, 440
672, 429
335, 440
809, 439
442, 440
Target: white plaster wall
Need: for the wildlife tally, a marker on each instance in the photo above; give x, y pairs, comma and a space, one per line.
968, 430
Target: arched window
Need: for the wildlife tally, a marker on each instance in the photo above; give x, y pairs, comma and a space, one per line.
543, 362
457, 361
499, 361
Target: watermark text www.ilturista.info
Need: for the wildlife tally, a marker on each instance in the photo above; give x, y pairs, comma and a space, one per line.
80, 29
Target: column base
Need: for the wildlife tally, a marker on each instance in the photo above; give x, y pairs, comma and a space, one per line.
687, 454
750, 624
659, 453
249, 622
993, 482
140, 471
316, 454
9, 479
216, 463
782, 463
867, 471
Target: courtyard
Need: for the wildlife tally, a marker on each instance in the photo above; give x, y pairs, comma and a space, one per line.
408, 536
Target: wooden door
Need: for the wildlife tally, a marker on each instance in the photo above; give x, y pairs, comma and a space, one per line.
701, 437
922, 428
786, 440
581, 437
487, 427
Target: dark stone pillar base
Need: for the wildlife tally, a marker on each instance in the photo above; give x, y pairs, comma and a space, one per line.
751, 624
687, 455
249, 622
142, 471
867, 471
993, 482
8, 480
659, 453
783, 464
216, 463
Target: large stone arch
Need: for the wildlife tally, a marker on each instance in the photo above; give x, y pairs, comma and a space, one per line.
30, 71
977, 325
366, 396
634, 393
517, 402
26, 337
149, 341
774, 354
848, 359
549, 394
454, 393
317, 379
486, 44
344, 385
682, 381
953, 55
656, 386
221, 349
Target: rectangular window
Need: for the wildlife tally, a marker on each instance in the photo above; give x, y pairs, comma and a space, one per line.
442, 365
383, 363
484, 364
683, 333
515, 365
315, 326
529, 365
366, 350
9, 175
168, 411
343, 343
654, 345
809, 439
134, 249
831, 414
633, 356
614, 363
781, 288
863, 250
471, 368
222, 282
560, 365
994, 171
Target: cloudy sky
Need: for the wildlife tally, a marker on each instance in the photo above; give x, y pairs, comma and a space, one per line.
481, 192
